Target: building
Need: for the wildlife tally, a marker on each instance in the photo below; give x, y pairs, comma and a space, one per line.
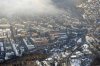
40, 41
77, 2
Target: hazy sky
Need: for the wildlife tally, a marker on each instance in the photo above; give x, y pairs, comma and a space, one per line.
27, 7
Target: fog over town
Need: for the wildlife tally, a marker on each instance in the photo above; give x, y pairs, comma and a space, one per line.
49, 32
27, 7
